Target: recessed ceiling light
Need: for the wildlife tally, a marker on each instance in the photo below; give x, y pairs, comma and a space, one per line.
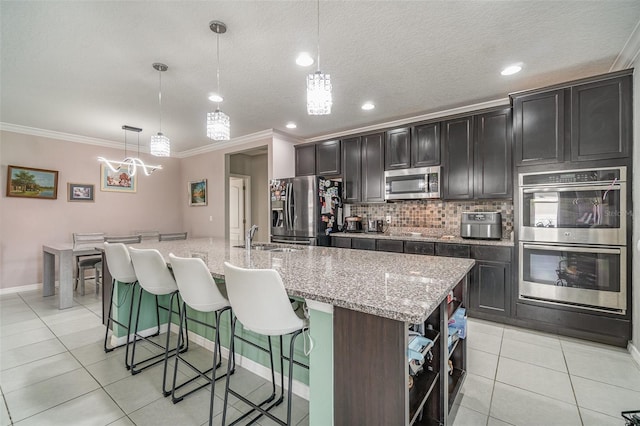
304, 59
214, 97
368, 106
291, 125
511, 69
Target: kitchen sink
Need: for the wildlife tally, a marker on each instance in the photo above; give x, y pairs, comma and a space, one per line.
285, 249
269, 247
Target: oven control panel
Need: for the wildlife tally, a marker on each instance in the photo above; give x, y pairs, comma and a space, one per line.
577, 176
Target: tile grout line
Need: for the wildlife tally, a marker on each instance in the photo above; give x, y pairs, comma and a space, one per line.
575, 397
6, 406
495, 378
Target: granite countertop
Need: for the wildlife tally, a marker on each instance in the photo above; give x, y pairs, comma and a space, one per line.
399, 286
418, 236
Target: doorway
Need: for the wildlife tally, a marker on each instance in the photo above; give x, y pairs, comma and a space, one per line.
239, 207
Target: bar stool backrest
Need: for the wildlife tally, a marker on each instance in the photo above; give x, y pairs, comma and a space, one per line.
153, 274
173, 236
124, 239
119, 262
259, 300
197, 287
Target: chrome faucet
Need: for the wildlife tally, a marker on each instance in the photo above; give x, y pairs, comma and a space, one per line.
249, 237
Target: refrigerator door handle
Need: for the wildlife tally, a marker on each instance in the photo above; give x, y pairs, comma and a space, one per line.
288, 207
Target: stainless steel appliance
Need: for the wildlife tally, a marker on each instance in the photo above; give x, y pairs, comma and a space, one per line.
353, 224
416, 183
579, 206
305, 210
591, 277
572, 238
375, 226
481, 225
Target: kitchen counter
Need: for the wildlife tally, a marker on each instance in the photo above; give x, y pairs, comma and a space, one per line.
401, 287
408, 236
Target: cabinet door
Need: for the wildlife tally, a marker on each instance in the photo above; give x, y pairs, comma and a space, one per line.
425, 145
601, 120
363, 243
490, 288
397, 149
457, 148
419, 247
539, 128
305, 159
373, 167
453, 250
341, 242
328, 158
351, 170
492, 155
395, 246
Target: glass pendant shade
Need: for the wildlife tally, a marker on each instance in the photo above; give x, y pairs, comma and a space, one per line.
319, 99
218, 126
160, 145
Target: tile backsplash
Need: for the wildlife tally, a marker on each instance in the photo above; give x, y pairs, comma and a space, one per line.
438, 216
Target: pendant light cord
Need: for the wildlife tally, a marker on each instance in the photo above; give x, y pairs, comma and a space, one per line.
218, 65
160, 98
318, 16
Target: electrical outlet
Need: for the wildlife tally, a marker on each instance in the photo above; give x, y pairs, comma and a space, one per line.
389, 219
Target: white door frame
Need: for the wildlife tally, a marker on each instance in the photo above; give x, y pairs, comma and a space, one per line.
247, 200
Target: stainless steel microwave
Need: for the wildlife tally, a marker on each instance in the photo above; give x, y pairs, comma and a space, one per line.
410, 184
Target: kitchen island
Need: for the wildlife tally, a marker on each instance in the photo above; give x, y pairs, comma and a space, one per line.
362, 304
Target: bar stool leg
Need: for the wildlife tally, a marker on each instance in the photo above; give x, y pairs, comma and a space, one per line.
165, 392
226, 391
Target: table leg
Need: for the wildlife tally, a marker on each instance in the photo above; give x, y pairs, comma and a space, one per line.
48, 274
66, 279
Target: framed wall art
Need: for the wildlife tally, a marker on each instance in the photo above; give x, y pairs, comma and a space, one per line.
118, 181
80, 192
32, 183
198, 193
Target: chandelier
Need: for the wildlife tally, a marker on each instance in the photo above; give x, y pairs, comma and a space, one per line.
160, 146
319, 86
218, 125
130, 164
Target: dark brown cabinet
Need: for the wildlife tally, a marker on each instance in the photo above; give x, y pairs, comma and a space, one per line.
396, 246
425, 145
351, 170
600, 120
457, 156
582, 121
305, 159
539, 128
492, 155
373, 168
397, 149
328, 158
341, 242
363, 244
491, 278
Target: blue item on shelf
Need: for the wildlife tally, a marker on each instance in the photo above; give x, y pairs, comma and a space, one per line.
459, 321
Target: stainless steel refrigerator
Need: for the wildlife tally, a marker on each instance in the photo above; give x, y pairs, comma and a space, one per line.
305, 210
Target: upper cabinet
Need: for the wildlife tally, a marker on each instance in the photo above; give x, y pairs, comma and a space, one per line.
412, 147
476, 153
373, 168
585, 121
321, 158
351, 167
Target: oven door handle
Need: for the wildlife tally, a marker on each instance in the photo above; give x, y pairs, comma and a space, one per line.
571, 188
570, 248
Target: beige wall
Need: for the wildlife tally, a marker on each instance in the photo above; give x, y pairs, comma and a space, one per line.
28, 223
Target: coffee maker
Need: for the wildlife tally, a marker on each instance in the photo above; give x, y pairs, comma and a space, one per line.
375, 226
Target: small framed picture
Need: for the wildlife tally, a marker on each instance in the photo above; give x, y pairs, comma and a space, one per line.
80, 192
32, 183
198, 193
118, 181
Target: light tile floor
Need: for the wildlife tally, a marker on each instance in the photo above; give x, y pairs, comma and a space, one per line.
53, 371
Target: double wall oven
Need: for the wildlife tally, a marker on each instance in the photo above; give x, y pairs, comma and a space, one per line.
572, 238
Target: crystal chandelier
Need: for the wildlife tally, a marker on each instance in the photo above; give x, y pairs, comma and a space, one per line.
130, 164
319, 86
218, 126
160, 146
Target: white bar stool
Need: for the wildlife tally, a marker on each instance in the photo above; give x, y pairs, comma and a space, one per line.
121, 270
156, 279
259, 300
200, 293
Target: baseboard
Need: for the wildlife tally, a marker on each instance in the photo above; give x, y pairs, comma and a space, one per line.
18, 289
299, 388
635, 353
118, 341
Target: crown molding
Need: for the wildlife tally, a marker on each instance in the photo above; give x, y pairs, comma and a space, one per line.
33, 131
630, 51
235, 142
431, 116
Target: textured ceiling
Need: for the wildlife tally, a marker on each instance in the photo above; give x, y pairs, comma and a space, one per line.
84, 67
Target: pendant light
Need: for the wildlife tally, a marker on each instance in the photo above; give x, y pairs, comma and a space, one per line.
130, 164
319, 86
218, 126
160, 146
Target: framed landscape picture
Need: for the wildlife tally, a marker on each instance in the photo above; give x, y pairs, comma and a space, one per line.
80, 192
118, 181
32, 183
198, 193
